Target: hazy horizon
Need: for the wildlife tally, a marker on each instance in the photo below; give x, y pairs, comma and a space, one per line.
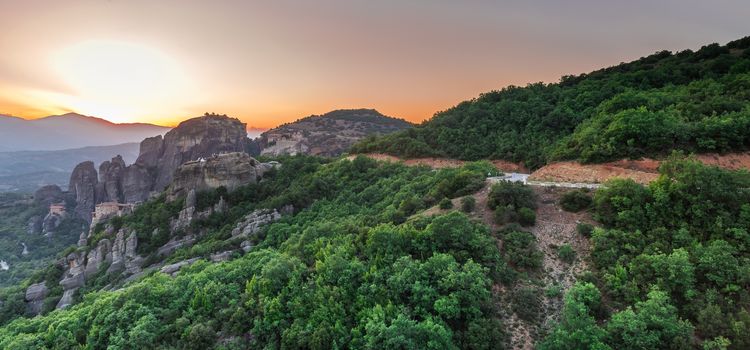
268, 64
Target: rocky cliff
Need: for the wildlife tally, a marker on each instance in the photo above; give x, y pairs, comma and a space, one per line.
158, 159
330, 134
230, 170
83, 186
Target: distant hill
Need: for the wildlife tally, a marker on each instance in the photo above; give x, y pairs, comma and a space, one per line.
68, 131
696, 101
25, 171
329, 134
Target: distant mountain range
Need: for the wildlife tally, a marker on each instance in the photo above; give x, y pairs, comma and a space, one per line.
67, 131
25, 171
330, 134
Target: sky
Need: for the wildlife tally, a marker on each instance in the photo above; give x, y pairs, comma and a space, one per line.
271, 62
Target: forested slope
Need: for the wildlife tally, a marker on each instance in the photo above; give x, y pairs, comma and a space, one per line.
692, 101
346, 272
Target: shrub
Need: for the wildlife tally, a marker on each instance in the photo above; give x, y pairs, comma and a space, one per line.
468, 204
526, 217
576, 200
515, 194
566, 253
520, 250
527, 304
585, 229
504, 215
446, 203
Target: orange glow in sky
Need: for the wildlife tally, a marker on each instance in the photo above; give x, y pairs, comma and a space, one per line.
273, 62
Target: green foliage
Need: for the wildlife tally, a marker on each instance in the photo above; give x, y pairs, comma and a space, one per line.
566, 253
526, 217
340, 273
446, 203
651, 324
527, 304
694, 101
16, 212
512, 202
584, 229
576, 200
517, 195
675, 255
578, 328
468, 204
520, 250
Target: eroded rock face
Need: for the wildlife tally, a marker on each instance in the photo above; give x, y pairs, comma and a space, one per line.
330, 134
49, 194
137, 183
83, 183
97, 256
110, 177
158, 159
253, 222
230, 170
35, 295
198, 138
50, 223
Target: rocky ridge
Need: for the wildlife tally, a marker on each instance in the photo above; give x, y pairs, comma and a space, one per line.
330, 134
158, 159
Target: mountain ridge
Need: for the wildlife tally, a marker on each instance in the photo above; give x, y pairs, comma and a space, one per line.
67, 131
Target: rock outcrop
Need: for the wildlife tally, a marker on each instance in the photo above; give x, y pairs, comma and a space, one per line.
229, 170
83, 184
330, 134
159, 157
48, 194
110, 178
35, 295
193, 139
50, 223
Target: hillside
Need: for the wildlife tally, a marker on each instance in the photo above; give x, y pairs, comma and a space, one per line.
330, 134
68, 131
357, 256
694, 101
25, 171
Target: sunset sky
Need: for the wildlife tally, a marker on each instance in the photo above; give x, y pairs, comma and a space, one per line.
271, 62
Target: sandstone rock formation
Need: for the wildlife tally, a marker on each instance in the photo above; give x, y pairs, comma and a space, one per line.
50, 223
110, 178
230, 170
330, 134
83, 184
48, 194
190, 140
158, 159
35, 295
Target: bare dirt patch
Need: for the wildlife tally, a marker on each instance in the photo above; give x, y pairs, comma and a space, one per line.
642, 170
438, 163
589, 173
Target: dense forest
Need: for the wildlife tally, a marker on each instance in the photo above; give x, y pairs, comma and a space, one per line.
690, 101
355, 268
16, 211
351, 270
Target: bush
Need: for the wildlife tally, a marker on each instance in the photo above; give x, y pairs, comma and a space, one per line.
585, 229
527, 304
504, 215
468, 204
576, 200
446, 203
520, 250
526, 217
566, 253
514, 194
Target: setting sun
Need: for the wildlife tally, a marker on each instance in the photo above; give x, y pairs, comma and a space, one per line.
117, 79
